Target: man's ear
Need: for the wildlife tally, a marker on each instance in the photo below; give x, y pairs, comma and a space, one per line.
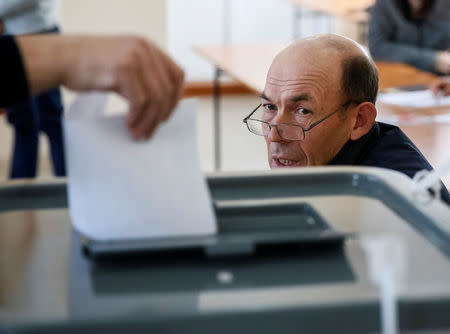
365, 118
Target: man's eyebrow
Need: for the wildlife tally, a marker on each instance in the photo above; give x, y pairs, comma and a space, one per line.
263, 96
301, 97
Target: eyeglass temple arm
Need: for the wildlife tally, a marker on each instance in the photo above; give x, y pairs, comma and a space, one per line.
321, 120
254, 110
345, 106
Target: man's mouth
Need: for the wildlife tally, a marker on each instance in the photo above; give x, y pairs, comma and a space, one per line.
286, 162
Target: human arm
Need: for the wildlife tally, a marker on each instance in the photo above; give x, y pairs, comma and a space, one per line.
128, 65
12, 7
441, 86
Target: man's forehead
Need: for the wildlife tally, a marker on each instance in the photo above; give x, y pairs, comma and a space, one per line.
310, 86
295, 72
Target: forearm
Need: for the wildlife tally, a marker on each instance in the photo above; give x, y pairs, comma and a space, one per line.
422, 58
45, 59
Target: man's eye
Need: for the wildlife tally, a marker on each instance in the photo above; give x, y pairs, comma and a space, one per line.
303, 111
269, 107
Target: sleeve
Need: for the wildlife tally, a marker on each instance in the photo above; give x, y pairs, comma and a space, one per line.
12, 7
13, 81
383, 47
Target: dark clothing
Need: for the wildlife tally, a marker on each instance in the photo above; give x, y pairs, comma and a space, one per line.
13, 81
41, 113
29, 118
386, 146
395, 38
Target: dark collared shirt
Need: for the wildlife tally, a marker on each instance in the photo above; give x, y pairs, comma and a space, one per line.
386, 146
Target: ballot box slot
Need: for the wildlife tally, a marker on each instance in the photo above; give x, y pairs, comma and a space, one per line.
272, 218
243, 230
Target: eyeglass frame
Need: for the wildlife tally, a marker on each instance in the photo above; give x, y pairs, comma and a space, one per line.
345, 106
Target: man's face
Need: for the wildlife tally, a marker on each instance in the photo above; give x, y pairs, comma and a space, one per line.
303, 87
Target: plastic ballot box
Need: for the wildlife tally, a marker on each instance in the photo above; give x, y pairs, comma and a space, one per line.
289, 254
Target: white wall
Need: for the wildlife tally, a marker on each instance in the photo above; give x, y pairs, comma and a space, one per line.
197, 22
145, 17
189, 23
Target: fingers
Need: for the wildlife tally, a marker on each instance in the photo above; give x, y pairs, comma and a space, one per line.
132, 67
160, 88
441, 87
434, 87
143, 121
153, 85
130, 83
170, 81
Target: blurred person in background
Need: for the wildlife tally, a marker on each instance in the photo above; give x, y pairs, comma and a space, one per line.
41, 113
414, 32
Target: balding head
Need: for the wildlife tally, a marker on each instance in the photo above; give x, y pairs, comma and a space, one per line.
325, 85
321, 46
340, 59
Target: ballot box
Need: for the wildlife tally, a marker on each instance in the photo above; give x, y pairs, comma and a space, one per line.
290, 254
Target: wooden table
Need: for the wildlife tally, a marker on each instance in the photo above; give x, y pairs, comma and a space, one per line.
249, 64
397, 74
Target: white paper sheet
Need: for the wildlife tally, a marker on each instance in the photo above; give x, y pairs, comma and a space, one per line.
414, 99
119, 188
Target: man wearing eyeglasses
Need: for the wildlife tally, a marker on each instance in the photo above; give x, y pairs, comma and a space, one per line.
318, 108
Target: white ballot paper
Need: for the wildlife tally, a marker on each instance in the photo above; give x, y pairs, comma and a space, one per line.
119, 188
414, 99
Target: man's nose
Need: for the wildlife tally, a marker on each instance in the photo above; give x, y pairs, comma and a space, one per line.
274, 133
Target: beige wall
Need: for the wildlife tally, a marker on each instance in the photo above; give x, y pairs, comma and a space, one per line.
146, 17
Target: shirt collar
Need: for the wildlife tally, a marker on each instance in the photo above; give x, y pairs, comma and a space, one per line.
354, 150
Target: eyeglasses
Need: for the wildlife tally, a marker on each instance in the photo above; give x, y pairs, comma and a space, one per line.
285, 131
